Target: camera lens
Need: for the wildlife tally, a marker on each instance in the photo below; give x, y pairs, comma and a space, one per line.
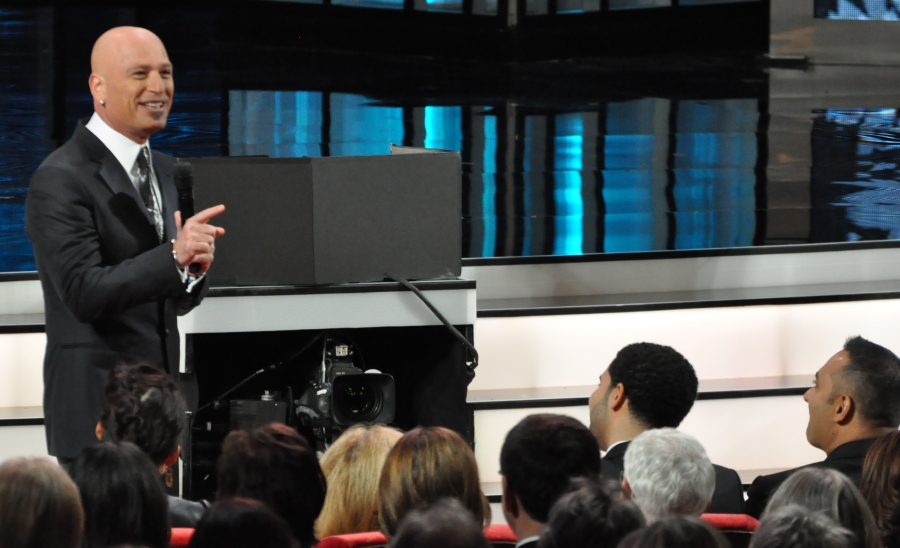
360, 400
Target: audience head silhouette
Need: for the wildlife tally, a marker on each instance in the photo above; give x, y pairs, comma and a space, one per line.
273, 464
123, 499
829, 491
880, 486
39, 505
144, 406
444, 524
591, 516
667, 473
424, 466
646, 386
676, 532
856, 396
352, 466
539, 457
241, 523
794, 526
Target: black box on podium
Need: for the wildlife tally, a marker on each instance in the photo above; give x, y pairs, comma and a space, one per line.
304, 221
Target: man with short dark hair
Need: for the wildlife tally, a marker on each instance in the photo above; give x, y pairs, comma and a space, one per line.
650, 386
539, 458
855, 399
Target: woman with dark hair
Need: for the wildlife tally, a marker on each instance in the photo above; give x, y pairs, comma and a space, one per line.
426, 465
880, 486
794, 526
39, 506
275, 465
588, 517
123, 499
829, 491
676, 532
144, 406
241, 523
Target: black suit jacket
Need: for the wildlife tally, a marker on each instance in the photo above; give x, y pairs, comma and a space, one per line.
847, 459
111, 289
728, 498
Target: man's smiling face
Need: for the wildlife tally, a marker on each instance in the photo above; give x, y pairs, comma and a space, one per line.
132, 75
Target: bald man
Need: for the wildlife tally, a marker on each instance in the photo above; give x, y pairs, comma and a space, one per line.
111, 250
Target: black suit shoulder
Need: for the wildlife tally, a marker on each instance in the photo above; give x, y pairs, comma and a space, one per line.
728, 498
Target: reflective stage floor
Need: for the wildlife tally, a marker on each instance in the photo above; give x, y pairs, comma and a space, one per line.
559, 158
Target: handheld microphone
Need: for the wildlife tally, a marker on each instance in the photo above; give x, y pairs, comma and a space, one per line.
183, 173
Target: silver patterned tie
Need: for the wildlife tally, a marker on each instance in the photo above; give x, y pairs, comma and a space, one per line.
145, 188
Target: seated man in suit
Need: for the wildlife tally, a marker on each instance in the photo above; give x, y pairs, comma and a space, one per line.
667, 473
651, 386
855, 399
539, 458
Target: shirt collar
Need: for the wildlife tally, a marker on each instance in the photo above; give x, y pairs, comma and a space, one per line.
124, 149
527, 540
610, 448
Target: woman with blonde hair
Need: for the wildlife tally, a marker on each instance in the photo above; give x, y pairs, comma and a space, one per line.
352, 467
426, 465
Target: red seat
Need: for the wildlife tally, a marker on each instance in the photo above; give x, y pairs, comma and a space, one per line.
181, 536
737, 528
497, 535
352, 540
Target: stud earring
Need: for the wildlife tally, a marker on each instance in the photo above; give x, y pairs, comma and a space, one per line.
102, 103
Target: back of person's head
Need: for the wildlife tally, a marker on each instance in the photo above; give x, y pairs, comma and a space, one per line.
541, 454
590, 517
660, 384
829, 491
241, 523
676, 532
872, 378
275, 465
143, 405
39, 505
123, 499
352, 466
880, 486
424, 466
669, 474
794, 526
443, 524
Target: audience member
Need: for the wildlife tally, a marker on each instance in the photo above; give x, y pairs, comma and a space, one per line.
444, 524
650, 386
143, 405
880, 486
590, 517
831, 492
275, 465
855, 399
123, 499
539, 457
793, 526
424, 466
667, 473
39, 506
676, 532
242, 523
352, 467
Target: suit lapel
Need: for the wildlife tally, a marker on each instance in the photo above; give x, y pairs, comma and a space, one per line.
111, 171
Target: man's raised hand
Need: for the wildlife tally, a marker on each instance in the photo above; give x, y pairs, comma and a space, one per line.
196, 240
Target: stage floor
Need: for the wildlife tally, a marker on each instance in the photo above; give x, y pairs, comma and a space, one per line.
559, 158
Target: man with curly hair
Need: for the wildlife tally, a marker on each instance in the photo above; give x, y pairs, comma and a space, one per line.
650, 386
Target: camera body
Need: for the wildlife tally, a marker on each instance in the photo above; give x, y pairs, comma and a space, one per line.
341, 394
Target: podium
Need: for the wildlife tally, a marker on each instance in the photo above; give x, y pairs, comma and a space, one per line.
269, 299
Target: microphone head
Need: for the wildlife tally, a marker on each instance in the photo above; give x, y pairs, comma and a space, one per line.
183, 173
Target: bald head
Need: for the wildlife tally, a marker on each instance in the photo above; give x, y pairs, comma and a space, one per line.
131, 81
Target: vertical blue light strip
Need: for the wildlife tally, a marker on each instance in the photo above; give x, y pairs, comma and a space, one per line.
276, 117
567, 166
443, 128
488, 199
526, 183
